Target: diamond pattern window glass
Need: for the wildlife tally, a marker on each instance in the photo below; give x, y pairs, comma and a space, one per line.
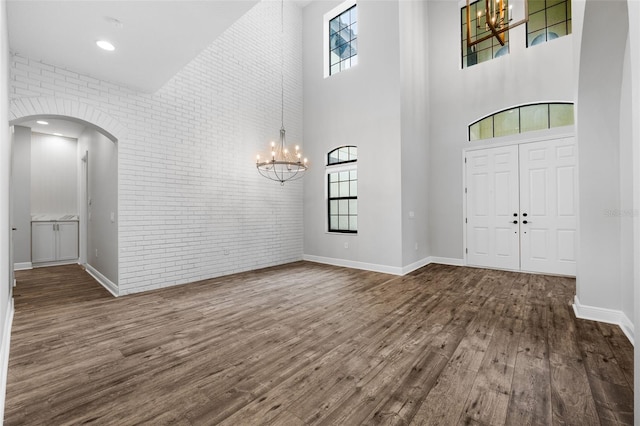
343, 41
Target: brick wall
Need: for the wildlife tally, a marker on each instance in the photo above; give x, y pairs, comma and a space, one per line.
191, 204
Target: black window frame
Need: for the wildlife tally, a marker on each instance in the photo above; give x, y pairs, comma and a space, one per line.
349, 43
568, 22
470, 54
331, 169
519, 107
329, 163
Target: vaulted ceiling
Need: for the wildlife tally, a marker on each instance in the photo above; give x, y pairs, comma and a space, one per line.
153, 39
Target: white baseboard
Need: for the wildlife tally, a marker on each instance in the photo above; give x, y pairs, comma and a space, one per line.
22, 266
447, 261
4, 355
609, 316
394, 270
58, 263
416, 265
104, 281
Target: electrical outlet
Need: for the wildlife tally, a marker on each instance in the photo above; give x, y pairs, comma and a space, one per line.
416, 247
346, 245
96, 252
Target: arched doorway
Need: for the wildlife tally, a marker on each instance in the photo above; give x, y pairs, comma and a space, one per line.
96, 188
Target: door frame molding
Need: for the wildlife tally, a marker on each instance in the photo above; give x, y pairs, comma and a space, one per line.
497, 143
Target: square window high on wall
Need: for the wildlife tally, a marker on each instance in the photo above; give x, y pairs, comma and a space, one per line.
478, 42
341, 38
548, 20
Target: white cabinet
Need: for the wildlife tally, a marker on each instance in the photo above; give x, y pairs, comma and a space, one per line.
54, 241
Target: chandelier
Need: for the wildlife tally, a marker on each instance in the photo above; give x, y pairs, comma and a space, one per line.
498, 20
282, 165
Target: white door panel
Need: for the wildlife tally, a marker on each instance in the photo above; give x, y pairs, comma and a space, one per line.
538, 183
492, 194
548, 176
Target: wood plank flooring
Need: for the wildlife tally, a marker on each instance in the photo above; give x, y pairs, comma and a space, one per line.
306, 344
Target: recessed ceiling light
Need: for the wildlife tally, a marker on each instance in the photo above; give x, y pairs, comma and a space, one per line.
57, 134
104, 44
42, 122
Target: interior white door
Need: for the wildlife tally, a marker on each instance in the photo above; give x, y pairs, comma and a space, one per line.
548, 179
492, 208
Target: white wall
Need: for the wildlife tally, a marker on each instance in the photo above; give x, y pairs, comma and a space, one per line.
54, 175
414, 78
600, 148
21, 193
634, 54
359, 106
459, 97
626, 209
101, 218
5, 157
191, 204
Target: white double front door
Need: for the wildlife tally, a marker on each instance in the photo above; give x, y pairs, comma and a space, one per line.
522, 207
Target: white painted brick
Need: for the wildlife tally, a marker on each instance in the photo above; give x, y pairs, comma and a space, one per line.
188, 187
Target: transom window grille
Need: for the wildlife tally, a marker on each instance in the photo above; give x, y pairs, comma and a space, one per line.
343, 154
343, 41
485, 50
548, 20
525, 118
342, 190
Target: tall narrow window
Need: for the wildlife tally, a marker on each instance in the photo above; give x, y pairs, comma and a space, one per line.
342, 190
548, 20
343, 40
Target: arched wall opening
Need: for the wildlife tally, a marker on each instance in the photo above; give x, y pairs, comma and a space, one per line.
605, 283
96, 158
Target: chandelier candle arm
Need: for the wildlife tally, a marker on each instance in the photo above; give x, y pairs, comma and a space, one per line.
495, 20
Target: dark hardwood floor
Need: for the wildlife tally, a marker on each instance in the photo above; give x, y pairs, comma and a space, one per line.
314, 344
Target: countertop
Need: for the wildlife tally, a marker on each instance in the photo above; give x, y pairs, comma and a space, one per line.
54, 218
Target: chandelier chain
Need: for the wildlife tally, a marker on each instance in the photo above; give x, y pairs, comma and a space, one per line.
282, 165
282, 63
